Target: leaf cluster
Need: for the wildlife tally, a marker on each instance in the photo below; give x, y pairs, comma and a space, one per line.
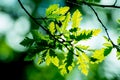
62, 37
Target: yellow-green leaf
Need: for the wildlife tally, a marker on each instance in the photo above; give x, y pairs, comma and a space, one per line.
65, 22
118, 55
63, 70
82, 47
83, 62
51, 9
96, 32
98, 55
55, 61
48, 59
76, 18
52, 27
61, 10
118, 41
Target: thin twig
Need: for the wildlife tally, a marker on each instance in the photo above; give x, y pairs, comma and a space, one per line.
95, 4
31, 16
115, 2
105, 28
35, 20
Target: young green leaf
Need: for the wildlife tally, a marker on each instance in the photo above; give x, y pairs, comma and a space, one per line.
98, 56
27, 42
118, 54
85, 34
69, 60
118, 41
83, 62
51, 59
107, 50
52, 28
76, 18
61, 11
96, 32
65, 22
51, 9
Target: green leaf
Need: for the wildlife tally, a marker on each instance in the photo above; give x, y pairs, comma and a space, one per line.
52, 28
52, 53
118, 21
69, 60
73, 30
51, 9
107, 50
51, 59
61, 11
118, 41
97, 56
84, 47
83, 62
96, 32
65, 22
27, 42
76, 18
37, 35
85, 34
93, 59
118, 54
29, 58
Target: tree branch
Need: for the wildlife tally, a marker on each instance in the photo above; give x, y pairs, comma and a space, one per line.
105, 28
115, 2
35, 20
32, 16
94, 4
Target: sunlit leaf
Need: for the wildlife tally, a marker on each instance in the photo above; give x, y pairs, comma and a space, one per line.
63, 70
84, 47
51, 9
96, 32
98, 56
55, 61
52, 27
118, 55
65, 22
118, 41
76, 18
83, 62
61, 10
85, 34
48, 58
